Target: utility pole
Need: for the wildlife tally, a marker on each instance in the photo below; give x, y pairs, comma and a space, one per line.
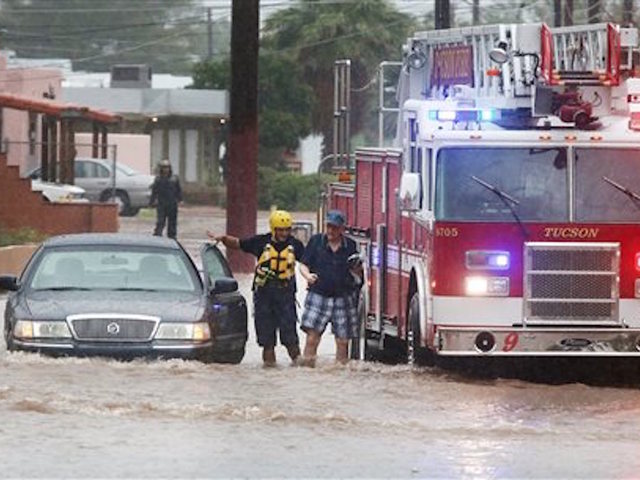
209, 35
476, 12
557, 13
627, 13
443, 14
568, 13
593, 11
242, 165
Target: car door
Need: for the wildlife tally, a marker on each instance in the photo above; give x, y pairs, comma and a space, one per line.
93, 177
227, 304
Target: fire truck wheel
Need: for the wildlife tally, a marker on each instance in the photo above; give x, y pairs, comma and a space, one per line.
421, 355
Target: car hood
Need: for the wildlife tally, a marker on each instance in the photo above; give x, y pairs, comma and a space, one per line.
169, 306
39, 185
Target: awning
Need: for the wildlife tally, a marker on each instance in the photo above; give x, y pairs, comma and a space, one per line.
56, 109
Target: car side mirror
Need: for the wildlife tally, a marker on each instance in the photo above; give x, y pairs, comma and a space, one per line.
9, 282
410, 188
224, 285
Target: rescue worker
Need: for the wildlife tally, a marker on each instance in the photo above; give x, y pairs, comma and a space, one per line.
274, 284
166, 194
332, 268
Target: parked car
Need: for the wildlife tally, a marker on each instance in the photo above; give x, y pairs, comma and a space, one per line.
132, 189
59, 192
124, 296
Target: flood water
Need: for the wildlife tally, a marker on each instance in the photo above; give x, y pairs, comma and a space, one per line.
71, 417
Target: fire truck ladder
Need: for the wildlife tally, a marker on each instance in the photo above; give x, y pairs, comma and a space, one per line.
531, 53
341, 113
582, 55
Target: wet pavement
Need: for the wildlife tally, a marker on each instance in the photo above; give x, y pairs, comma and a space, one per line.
70, 417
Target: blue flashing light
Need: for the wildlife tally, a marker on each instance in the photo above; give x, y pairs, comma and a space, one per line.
500, 260
485, 115
487, 259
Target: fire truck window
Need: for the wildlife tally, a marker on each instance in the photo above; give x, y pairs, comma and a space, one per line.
529, 175
601, 174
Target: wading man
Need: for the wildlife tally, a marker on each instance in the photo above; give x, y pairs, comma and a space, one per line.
274, 284
333, 277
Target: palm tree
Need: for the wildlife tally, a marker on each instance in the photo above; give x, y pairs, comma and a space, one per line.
316, 34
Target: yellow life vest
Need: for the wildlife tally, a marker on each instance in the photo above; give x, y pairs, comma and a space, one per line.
274, 265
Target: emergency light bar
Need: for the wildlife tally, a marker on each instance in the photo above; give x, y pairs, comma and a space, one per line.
484, 115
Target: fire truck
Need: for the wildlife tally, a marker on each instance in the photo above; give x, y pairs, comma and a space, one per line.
505, 221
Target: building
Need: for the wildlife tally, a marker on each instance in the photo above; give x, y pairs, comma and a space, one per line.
186, 126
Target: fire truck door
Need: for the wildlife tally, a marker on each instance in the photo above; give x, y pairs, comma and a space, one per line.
380, 261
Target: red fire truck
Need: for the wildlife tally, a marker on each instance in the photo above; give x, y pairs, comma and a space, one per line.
506, 221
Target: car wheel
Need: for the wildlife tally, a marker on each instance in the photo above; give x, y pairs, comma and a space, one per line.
8, 337
226, 356
121, 199
132, 212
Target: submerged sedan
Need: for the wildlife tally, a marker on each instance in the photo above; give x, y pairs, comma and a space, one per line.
124, 296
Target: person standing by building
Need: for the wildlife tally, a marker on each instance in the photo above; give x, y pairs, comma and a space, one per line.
274, 284
331, 268
166, 194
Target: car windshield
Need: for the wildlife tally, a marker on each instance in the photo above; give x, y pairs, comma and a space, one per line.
501, 184
114, 268
607, 182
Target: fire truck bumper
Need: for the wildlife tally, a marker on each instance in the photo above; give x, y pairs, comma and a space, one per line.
472, 341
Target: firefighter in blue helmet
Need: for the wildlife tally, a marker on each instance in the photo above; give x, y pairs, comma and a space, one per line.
274, 284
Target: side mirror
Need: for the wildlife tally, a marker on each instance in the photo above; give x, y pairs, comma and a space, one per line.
224, 285
410, 189
9, 282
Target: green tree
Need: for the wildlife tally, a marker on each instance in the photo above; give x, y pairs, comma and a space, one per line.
315, 34
284, 102
170, 35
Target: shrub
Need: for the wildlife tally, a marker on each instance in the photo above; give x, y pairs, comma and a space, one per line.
289, 191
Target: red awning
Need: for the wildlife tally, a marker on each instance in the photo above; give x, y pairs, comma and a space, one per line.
55, 109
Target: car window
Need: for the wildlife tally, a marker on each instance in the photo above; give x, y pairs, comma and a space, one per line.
102, 171
108, 267
215, 264
79, 169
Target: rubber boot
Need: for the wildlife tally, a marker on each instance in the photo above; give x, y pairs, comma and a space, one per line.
269, 357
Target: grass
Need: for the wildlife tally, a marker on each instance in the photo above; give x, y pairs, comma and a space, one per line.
20, 236
147, 214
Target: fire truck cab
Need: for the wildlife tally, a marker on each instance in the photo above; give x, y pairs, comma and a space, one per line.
506, 221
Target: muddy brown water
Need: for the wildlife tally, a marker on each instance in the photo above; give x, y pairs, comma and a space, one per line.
78, 417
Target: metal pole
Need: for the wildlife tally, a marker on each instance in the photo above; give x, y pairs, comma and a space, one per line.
336, 108
209, 35
443, 14
113, 168
557, 13
627, 13
380, 104
347, 116
476, 12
